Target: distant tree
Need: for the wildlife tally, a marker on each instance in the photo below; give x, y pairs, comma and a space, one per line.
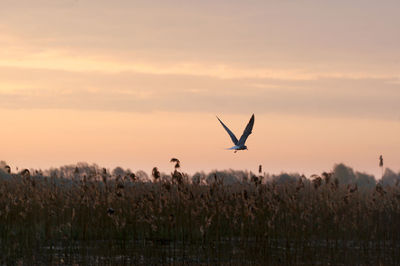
198, 177
344, 174
118, 171
286, 178
142, 176
364, 180
228, 176
389, 178
4, 174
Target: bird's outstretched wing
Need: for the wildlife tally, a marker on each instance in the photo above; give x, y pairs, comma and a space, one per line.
233, 137
247, 131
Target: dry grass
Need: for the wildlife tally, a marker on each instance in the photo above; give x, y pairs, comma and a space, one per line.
54, 220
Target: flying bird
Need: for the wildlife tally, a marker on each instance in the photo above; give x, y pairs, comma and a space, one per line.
239, 144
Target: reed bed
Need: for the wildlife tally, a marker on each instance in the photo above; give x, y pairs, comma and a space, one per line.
104, 219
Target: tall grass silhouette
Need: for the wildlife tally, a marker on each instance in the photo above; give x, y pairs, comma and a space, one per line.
101, 218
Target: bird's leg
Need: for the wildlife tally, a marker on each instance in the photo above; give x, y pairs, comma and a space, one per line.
235, 151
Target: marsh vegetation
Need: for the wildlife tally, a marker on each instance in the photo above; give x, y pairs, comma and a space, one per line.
94, 217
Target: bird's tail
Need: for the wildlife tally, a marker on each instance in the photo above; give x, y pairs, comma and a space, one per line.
232, 148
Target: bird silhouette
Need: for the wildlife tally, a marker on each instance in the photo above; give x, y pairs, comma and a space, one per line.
239, 144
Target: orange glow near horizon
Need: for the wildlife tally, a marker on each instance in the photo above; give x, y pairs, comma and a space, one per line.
46, 138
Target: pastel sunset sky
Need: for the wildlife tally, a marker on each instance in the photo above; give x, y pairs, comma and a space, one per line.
135, 83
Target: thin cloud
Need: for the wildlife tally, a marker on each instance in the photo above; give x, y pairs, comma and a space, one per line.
67, 61
129, 92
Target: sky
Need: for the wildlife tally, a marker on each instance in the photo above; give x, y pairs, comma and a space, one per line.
135, 83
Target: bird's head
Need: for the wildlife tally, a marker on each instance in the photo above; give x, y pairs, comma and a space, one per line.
245, 147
